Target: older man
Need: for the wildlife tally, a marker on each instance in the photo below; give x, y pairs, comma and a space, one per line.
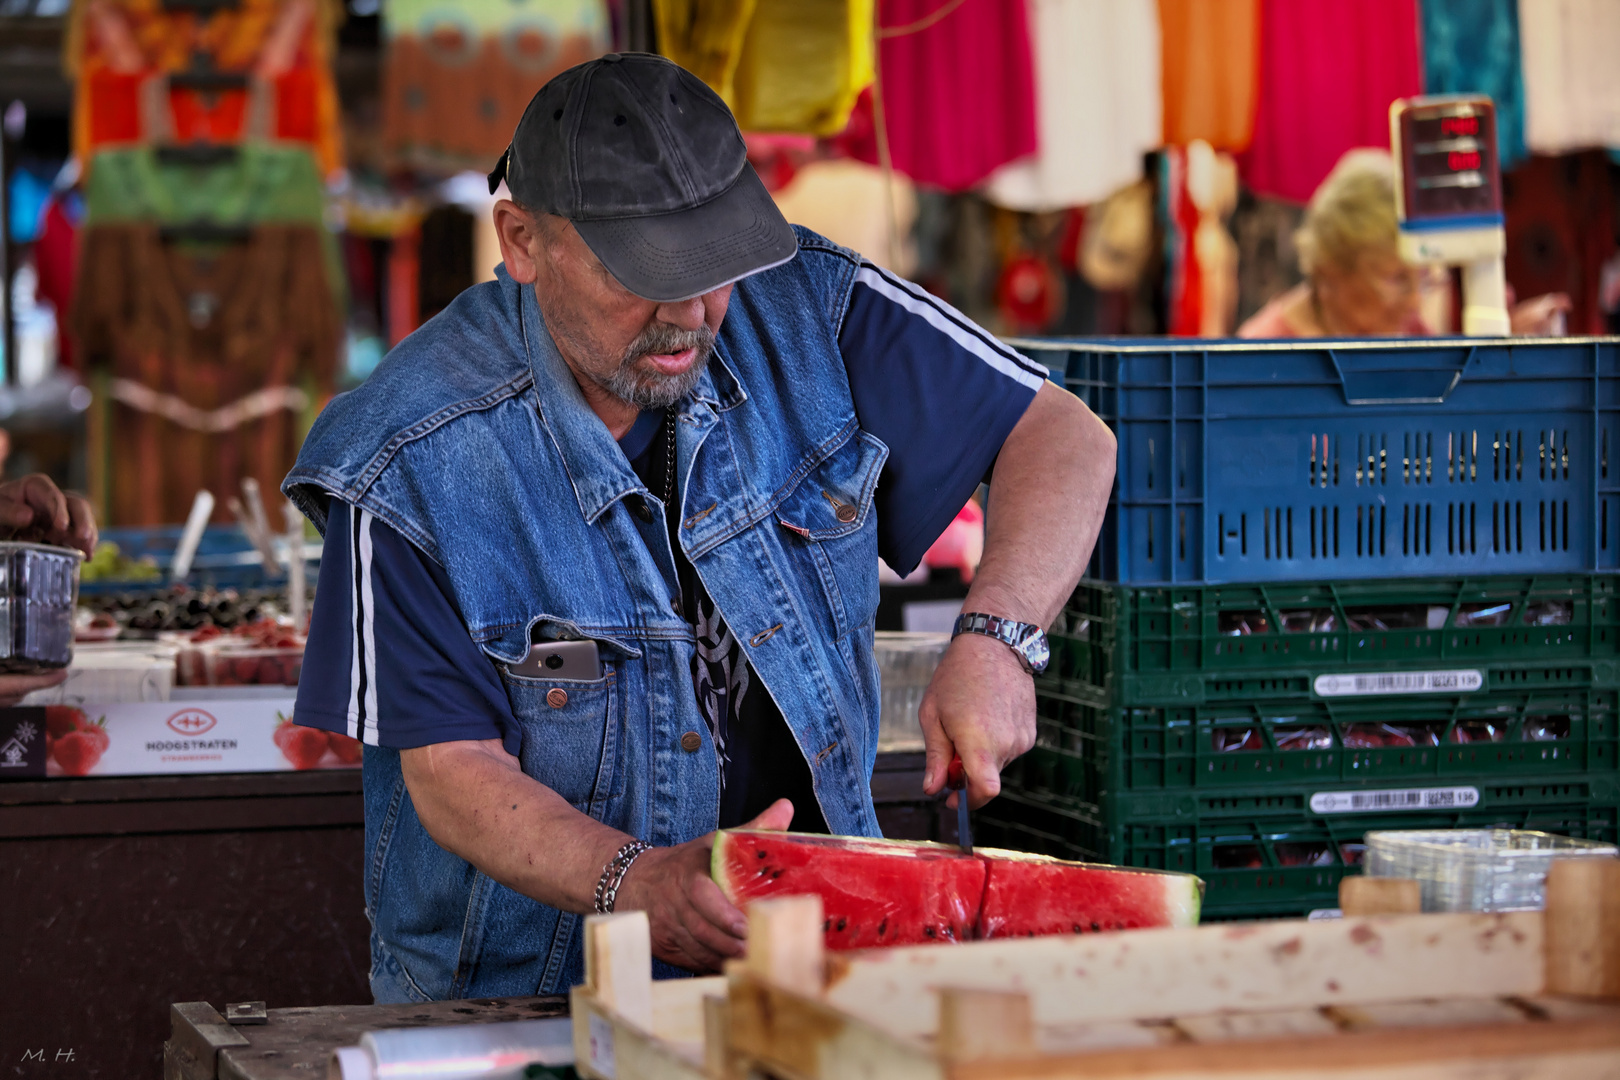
602, 545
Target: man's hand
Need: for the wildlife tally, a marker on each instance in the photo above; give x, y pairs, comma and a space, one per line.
13, 688
694, 926
35, 510
980, 705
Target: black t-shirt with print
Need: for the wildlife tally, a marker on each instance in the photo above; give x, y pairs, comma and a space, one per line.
760, 761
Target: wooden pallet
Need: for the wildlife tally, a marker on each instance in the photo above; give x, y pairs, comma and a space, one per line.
1521, 996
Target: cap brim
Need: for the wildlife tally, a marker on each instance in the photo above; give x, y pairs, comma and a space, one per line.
676, 256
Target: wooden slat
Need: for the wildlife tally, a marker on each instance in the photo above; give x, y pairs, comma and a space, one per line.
1583, 927
1184, 972
1362, 895
1222, 1027
196, 1035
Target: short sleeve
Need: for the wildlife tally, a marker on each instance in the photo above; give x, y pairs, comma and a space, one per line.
941, 391
389, 658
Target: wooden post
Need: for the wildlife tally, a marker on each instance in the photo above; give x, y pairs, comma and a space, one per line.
975, 1025
1583, 927
786, 943
1363, 895
618, 964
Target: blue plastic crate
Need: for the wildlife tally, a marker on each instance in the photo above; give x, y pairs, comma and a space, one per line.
1253, 461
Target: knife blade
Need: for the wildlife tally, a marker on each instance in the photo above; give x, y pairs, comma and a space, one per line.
956, 780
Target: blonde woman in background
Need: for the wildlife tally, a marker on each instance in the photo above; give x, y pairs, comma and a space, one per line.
1355, 282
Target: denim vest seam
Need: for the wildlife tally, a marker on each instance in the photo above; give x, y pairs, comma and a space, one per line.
561, 951
472, 927
385, 834
428, 424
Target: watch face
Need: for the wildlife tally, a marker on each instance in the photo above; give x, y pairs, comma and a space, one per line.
1039, 652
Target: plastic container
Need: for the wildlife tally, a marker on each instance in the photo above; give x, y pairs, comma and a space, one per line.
1254, 864
1477, 869
113, 673
1282, 461
225, 663
39, 586
1151, 644
906, 663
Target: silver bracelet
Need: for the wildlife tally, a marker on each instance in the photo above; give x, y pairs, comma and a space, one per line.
607, 886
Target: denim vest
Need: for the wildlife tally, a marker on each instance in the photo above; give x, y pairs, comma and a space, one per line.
472, 439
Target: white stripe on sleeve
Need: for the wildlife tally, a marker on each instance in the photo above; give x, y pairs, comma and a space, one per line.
356, 665
368, 643
939, 315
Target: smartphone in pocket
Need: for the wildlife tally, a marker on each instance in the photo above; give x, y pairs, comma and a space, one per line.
561, 660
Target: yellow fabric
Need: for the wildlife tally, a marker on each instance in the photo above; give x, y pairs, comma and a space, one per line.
803, 64
781, 65
705, 37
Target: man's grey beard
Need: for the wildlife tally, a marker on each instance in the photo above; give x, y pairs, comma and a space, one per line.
650, 390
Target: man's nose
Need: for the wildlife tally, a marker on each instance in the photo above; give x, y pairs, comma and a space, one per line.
686, 314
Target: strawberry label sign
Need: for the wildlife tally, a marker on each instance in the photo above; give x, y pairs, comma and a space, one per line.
192, 722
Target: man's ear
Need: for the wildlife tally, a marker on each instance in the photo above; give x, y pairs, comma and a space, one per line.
518, 232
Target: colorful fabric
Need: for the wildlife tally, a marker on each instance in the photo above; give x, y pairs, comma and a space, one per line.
802, 66
1097, 103
1328, 73
1571, 79
1211, 65
123, 54
957, 88
55, 256
1560, 231
1472, 47
457, 77
210, 329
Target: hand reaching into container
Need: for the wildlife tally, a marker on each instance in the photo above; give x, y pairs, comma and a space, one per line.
35, 510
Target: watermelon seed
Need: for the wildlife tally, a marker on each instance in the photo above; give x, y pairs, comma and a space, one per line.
1095, 928
929, 930
1079, 929
842, 923
825, 926
775, 874
882, 926
761, 854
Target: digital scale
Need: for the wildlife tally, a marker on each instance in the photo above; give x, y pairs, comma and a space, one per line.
1448, 198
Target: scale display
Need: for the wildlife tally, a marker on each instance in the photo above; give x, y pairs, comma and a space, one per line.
1448, 162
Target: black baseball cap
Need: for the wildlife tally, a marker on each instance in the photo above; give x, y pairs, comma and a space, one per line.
649, 165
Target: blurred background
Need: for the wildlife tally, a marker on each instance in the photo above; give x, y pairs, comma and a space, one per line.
220, 212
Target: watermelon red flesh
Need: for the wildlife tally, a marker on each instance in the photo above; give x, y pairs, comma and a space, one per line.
873, 892
1029, 896
897, 892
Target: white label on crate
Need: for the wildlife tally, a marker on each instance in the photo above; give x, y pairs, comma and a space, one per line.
1400, 682
602, 1046
1372, 802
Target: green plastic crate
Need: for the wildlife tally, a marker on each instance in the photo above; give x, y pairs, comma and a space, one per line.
1089, 751
1259, 865
1188, 644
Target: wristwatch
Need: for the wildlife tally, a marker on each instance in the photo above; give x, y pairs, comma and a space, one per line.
1028, 642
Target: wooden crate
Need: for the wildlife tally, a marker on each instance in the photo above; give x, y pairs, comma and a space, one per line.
1521, 996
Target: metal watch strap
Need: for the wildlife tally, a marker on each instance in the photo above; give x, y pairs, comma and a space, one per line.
1027, 641
607, 886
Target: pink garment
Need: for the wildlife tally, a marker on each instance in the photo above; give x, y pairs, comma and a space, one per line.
958, 94
1328, 72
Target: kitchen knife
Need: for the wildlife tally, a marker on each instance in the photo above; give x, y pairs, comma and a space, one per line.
956, 780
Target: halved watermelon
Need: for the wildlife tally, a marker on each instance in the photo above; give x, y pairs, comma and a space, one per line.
902, 892
873, 892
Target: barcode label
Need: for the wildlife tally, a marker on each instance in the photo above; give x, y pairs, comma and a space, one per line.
1400, 682
1371, 802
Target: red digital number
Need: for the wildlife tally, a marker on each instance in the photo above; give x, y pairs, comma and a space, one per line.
1459, 161
1459, 125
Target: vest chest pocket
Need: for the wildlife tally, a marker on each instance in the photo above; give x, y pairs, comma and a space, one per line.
827, 520
572, 734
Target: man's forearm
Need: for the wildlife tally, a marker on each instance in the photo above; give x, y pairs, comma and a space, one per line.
1048, 497
475, 802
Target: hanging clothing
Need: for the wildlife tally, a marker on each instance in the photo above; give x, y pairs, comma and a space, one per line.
259, 184
957, 90
1328, 73
1268, 264
457, 77
1097, 103
803, 66
1472, 47
1211, 65
55, 256
1571, 79
1560, 231
268, 67
207, 352
705, 37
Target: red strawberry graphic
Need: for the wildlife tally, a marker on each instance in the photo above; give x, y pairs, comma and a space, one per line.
347, 750
303, 746
96, 733
63, 719
77, 752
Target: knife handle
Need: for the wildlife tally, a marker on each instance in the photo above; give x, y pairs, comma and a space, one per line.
955, 774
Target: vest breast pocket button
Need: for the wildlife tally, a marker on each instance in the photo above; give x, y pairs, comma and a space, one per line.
556, 697
691, 741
